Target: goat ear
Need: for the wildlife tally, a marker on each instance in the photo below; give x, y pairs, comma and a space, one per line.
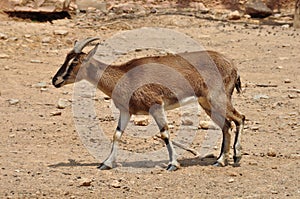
75, 42
92, 52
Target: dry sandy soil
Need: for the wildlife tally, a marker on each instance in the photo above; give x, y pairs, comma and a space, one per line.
42, 156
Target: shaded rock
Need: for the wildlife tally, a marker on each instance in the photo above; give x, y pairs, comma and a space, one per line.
13, 101
235, 15
141, 121
4, 56
207, 125
62, 103
116, 184
40, 85
271, 153
187, 122
260, 96
55, 113
258, 9
3, 36
46, 40
85, 182
61, 32
84, 5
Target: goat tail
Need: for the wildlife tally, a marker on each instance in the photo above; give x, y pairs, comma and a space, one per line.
238, 84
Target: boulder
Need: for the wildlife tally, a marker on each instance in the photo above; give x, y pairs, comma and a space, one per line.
47, 6
257, 9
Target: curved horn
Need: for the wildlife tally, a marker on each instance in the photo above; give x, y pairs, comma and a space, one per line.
81, 44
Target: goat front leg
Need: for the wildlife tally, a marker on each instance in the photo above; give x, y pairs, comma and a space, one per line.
158, 114
122, 124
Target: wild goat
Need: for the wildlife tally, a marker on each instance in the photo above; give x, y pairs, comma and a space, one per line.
199, 69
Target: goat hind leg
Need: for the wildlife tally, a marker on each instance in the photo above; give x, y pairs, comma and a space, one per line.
158, 114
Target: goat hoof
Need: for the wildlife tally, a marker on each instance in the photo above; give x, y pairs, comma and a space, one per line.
102, 166
236, 161
172, 167
218, 164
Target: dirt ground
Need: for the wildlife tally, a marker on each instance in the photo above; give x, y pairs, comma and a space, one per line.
42, 155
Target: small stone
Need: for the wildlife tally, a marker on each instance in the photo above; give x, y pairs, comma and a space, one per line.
46, 40
55, 113
235, 15
253, 163
6, 68
254, 128
207, 125
287, 81
40, 85
260, 96
187, 122
231, 180
116, 184
292, 96
13, 101
4, 56
84, 182
144, 121
62, 103
36, 61
285, 26
61, 32
247, 16
271, 153
3, 36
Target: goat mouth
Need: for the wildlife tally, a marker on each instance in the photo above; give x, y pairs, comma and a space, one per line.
57, 84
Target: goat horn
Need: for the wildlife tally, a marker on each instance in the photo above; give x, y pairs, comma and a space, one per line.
81, 44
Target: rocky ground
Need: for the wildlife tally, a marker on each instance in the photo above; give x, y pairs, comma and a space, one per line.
42, 155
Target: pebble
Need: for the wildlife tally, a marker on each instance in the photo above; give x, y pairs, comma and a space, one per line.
271, 152
46, 40
253, 163
187, 122
116, 184
292, 96
260, 96
287, 81
3, 36
36, 61
235, 15
141, 121
231, 180
61, 32
84, 182
40, 85
62, 103
4, 56
207, 125
55, 113
13, 101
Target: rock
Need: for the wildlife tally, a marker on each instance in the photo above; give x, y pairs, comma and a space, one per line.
207, 125
116, 184
61, 32
258, 9
199, 7
55, 113
40, 85
287, 81
127, 8
254, 128
231, 180
187, 122
235, 15
285, 26
292, 96
260, 96
271, 152
247, 16
85, 182
3, 36
46, 40
35, 6
62, 103
84, 5
13, 101
4, 56
36, 61
141, 121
